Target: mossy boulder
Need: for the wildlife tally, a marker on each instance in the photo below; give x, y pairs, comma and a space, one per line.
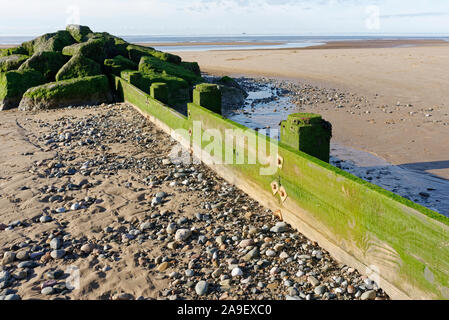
11, 51
178, 88
113, 45
93, 49
49, 42
149, 64
193, 67
232, 94
12, 62
79, 33
136, 52
78, 67
73, 92
118, 64
46, 62
13, 85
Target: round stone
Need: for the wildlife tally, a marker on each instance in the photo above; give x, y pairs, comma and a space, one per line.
201, 288
47, 291
45, 219
58, 254
87, 248
183, 234
171, 228
237, 272
55, 243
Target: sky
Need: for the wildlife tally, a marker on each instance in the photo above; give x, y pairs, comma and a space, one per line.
228, 17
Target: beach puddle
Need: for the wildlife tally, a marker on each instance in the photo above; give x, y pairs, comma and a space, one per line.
267, 105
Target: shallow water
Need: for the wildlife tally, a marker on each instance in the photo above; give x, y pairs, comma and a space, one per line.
265, 108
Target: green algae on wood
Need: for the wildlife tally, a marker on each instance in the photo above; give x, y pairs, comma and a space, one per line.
13, 85
178, 88
405, 244
208, 96
308, 133
73, 92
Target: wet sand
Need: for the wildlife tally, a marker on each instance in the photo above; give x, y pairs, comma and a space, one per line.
405, 115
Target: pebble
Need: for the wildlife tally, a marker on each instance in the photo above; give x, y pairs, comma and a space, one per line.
183, 235
280, 227
45, 219
368, 295
55, 243
47, 291
171, 228
237, 272
313, 281
201, 288
87, 248
58, 254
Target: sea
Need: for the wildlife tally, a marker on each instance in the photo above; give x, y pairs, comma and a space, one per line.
239, 42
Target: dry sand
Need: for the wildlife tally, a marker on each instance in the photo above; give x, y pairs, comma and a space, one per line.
416, 135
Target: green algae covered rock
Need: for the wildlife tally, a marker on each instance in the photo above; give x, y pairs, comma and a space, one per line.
11, 51
192, 66
178, 88
149, 64
46, 62
13, 85
79, 33
93, 49
136, 52
73, 92
118, 64
12, 62
113, 45
78, 67
49, 42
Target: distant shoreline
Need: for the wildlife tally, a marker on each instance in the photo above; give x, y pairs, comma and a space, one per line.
347, 44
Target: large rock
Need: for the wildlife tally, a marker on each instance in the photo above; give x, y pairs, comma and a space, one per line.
192, 66
11, 51
13, 85
136, 52
49, 42
149, 64
12, 62
232, 94
74, 92
46, 62
118, 64
178, 88
113, 46
78, 67
79, 33
93, 49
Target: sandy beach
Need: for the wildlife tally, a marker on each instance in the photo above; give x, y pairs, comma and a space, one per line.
93, 190
401, 113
